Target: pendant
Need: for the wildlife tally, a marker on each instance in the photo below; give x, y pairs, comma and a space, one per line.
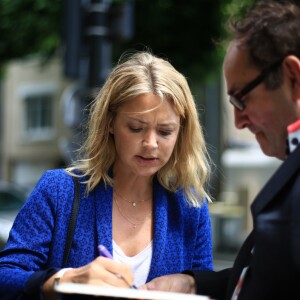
134, 204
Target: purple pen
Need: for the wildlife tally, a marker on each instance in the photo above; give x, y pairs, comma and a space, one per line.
103, 251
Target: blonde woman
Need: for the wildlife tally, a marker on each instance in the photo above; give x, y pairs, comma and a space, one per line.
142, 183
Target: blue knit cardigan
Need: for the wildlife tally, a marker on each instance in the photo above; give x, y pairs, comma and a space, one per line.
182, 234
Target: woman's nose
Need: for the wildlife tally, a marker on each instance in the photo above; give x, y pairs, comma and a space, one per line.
150, 140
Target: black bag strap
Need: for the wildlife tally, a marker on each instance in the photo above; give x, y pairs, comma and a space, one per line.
72, 221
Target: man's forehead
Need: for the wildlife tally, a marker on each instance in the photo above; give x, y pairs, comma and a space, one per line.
237, 67
235, 55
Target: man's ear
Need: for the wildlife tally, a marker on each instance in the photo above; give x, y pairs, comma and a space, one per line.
292, 65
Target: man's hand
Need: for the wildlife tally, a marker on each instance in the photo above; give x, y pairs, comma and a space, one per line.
178, 283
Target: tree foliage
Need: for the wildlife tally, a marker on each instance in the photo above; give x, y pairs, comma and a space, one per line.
182, 31
29, 27
187, 32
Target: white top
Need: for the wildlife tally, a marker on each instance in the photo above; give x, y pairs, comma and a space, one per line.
140, 263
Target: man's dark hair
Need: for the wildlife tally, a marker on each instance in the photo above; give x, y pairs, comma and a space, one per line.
269, 31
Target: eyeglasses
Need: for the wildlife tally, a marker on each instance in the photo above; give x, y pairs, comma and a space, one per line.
237, 99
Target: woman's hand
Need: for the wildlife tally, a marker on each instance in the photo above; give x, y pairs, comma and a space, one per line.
101, 271
178, 283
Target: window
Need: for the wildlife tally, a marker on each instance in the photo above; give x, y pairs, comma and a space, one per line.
38, 112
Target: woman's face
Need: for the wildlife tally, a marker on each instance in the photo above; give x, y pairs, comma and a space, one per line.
144, 139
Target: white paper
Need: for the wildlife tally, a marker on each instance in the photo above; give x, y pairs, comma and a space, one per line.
114, 292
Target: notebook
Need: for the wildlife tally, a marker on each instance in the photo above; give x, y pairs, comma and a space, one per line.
84, 291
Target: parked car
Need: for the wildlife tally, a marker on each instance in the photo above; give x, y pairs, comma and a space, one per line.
12, 197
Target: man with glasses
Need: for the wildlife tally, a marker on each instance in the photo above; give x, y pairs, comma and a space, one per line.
262, 72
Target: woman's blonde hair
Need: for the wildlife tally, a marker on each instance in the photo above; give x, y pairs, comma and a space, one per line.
142, 73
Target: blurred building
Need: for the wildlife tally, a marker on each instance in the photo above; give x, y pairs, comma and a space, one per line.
42, 111
32, 122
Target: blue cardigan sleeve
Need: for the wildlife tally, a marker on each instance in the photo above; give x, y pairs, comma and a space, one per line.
30, 238
203, 259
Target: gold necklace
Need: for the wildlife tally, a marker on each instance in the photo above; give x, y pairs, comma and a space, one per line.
134, 224
133, 203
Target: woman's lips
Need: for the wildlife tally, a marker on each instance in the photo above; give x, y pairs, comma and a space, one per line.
147, 160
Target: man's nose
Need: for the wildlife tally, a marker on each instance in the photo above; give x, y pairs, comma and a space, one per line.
240, 119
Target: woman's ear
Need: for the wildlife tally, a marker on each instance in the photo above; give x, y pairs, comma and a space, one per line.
111, 126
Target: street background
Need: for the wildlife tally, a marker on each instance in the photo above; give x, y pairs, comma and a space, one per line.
56, 54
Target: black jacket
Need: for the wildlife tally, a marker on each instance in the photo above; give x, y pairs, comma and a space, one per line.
274, 271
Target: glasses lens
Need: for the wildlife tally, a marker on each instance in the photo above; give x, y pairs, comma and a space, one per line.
237, 103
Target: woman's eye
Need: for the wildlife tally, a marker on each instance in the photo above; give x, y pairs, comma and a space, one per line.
165, 132
135, 129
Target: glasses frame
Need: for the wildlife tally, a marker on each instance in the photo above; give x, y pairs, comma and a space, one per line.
237, 99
